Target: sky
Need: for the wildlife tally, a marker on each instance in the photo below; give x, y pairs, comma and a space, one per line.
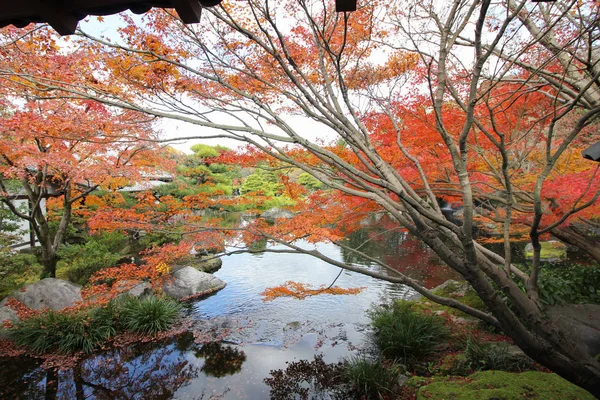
170, 129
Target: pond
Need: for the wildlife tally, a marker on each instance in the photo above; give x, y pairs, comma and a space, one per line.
258, 336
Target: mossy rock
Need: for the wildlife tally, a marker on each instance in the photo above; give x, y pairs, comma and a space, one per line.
459, 290
208, 264
500, 385
552, 250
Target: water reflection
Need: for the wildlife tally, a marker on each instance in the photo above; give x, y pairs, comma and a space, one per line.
269, 335
220, 360
154, 371
384, 240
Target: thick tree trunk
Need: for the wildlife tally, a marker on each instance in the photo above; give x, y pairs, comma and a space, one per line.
49, 261
541, 337
574, 238
568, 361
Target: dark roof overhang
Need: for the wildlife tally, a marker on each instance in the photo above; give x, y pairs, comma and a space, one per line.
63, 15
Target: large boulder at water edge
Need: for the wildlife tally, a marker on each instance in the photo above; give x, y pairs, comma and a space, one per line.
189, 282
51, 293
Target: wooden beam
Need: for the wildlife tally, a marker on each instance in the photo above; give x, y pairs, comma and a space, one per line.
345, 5
189, 10
59, 17
210, 3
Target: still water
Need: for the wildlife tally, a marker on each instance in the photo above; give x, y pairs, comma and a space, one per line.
258, 336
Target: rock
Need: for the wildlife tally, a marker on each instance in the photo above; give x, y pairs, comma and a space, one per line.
189, 282
208, 264
276, 213
133, 288
402, 379
412, 297
6, 314
552, 250
452, 288
581, 322
141, 289
52, 293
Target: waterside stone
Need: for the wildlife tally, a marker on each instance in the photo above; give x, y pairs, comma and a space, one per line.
51, 293
189, 282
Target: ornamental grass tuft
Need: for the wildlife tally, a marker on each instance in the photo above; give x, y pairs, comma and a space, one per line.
372, 379
65, 332
148, 315
403, 333
86, 330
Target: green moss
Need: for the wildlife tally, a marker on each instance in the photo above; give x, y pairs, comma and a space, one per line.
550, 251
416, 382
470, 299
503, 385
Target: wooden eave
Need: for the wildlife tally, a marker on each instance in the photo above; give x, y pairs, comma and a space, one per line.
63, 15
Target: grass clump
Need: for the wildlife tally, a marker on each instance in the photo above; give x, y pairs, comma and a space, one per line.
149, 314
64, 332
401, 332
372, 378
490, 385
485, 356
86, 330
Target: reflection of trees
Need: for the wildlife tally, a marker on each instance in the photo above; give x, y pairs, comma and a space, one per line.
126, 373
309, 380
22, 379
220, 360
385, 241
138, 372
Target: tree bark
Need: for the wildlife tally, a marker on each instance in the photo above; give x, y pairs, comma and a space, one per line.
49, 261
571, 236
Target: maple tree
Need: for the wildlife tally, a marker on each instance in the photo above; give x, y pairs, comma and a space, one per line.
480, 104
55, 152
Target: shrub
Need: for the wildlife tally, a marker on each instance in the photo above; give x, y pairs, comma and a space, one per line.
371, 378
401, 332
159, 238
100, 251
568, 283
149, 314
62, 331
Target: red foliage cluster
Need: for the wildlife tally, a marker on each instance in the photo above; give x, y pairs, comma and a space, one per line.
23, 312
302, 291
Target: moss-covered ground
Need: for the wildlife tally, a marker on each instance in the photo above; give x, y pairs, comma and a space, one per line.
499, 385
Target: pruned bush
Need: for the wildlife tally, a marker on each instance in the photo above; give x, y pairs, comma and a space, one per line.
149, 314
401, 332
